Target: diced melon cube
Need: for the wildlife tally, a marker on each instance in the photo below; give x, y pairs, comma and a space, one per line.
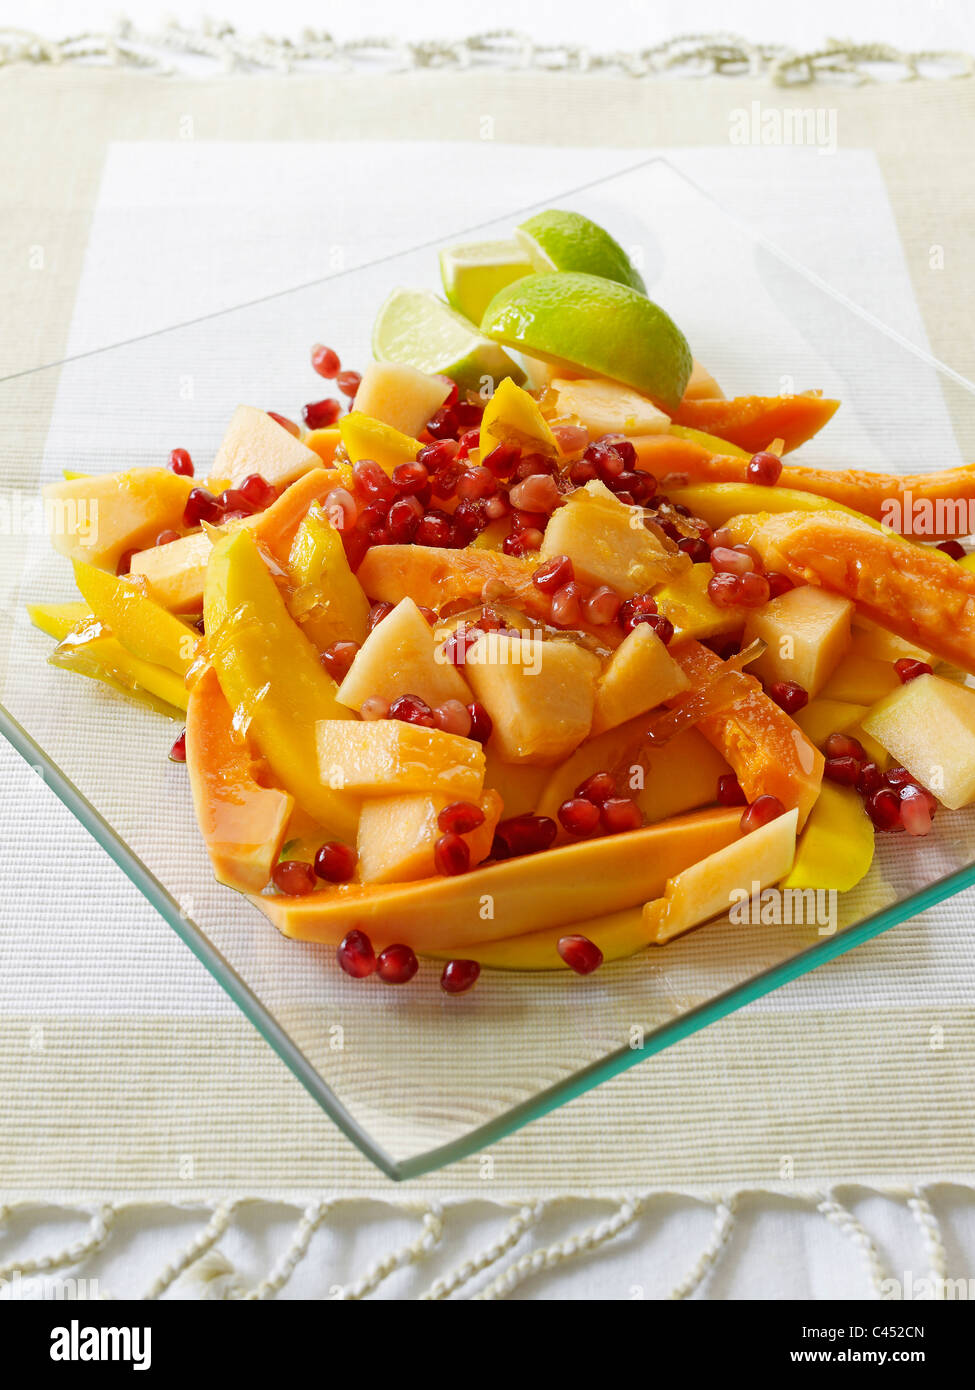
822, 717
540, 695
176, 572
401, 657
639, 675
518, 784
96, 519
254, 443
397, 835
807, 631
861, 681
401, 396
876, 643
608, 407
386, 756
928, 725
608, 543
681, 775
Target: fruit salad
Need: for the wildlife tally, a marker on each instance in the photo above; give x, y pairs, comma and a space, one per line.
529, 648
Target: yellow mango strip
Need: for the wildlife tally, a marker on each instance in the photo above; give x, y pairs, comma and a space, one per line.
716, 503
570, 883
57, 619
90, 650
836, 848
143, 627
711, 442
512, 416
366, 438
272, 678
328, 602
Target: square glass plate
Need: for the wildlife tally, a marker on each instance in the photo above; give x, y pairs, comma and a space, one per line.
420, 1079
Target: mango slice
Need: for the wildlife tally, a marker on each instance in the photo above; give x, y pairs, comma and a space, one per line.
518, 784
96, 519
144, 627
822, 717
685, 601
435, 577
711, 887
366, 438
570, 883
272, 678
90, 650
57, 619
327, 603
324, 443
716, 503
858, 680
512, 416
835, 850
388, 756
242, 823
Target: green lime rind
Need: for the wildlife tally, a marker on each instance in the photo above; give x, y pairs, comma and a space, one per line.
416, 328
473, 273
597, 326
567, 241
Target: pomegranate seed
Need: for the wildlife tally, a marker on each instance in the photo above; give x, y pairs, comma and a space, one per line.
177, 754
452, 717
374, 481
341, 509
258, 491
451, 855
499, 849
355, 955
622, 447
404, 518
410, 478
469, 519
167, 537
434, 529
181, 463
318, 415
915, 811
482, 725
459, 643
724, 590
348, 383
730, 560
599, 788
789, 695
335, 862
620, 813
477, 483
468, 441
338, 658
632, 612
374, 707
444, 424
496, 507
870, 780
753, 590
377, 612
582, 472
502, 459
762, 810
445, 479
730, 792
698, 550
602, 606
527, 834
411, 709
460, 818
662, 626
764, 468
898, 777
293, 877
579, 816
884, 809
452, 391
125, 562
396, 965
553, 574
522, 520
459, 976
908, 670
570, 438
608, 462
952, 548
580, 954
845, 771
434, 456
469, 412
778, 583
233, 500
567, 605
429, 614
201, 506
539, 493
285, 423
637, 486
325, 362
844, 746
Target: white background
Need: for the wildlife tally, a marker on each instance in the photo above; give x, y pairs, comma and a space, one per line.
793, 1253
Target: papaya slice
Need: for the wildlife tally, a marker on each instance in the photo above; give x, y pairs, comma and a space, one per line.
434, 577
916, 591
767, 750
752, 422
884, 497
242, 823
569, 883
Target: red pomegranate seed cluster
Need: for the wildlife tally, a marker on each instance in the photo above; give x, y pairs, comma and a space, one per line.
894, 800
254, 494
596, 805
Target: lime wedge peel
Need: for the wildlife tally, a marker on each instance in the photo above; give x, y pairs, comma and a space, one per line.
567, 241
417, 328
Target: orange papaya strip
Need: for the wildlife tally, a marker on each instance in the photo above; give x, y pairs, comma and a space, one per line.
242, 823
935, 503
752, 422
916, 591
769, 753
434, 577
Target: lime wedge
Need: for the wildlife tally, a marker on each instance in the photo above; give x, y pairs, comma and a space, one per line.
473, 274
417, 328
596, 326
555, 240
